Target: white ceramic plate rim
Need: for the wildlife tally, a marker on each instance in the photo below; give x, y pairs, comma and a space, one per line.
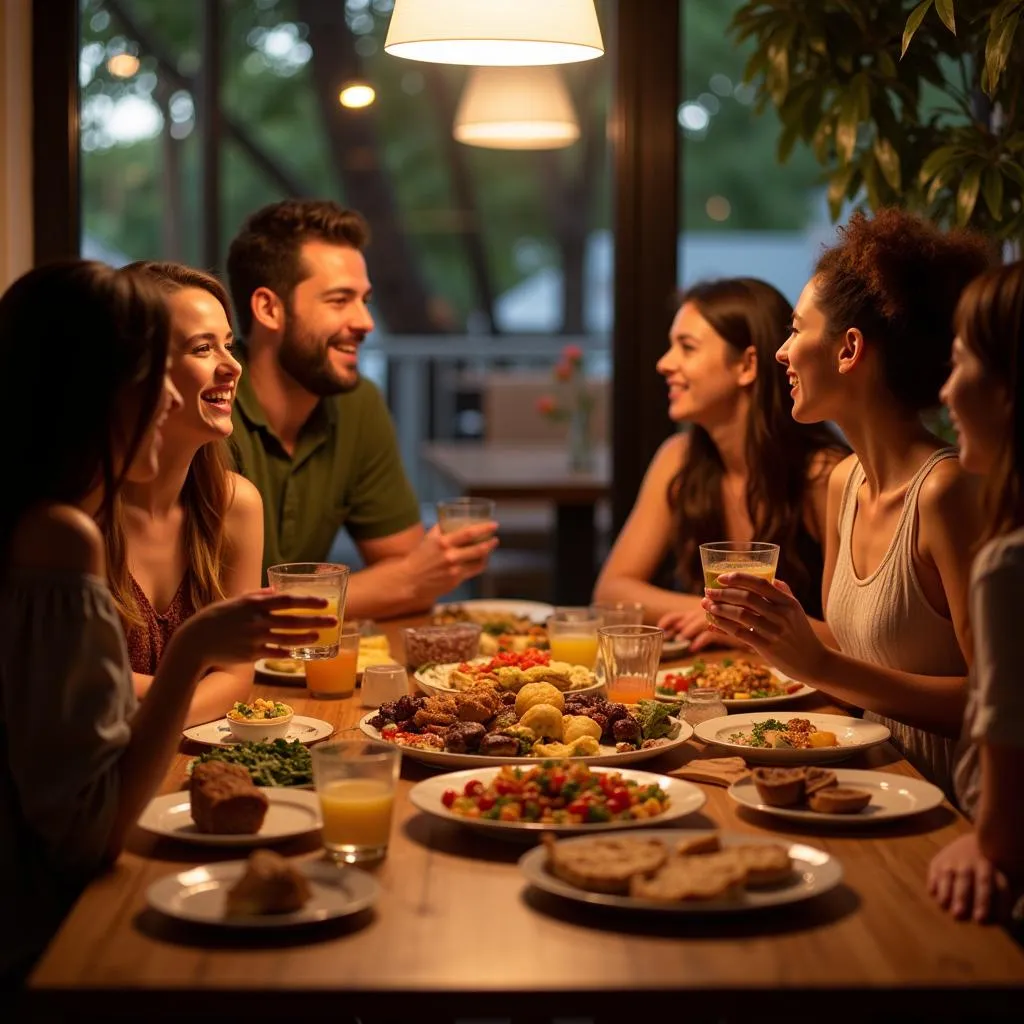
923, 795
685, 798
537, 611
815, 871
159, 806
873, 733
321, 730
264, 669
424, 680
610, 757
753, 702
325, 879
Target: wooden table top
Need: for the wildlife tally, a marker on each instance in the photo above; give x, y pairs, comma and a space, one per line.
457, 930
523, 471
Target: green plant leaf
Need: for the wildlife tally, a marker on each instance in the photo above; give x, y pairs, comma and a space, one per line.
914, 23
992, 192
886, 65
945, 9
837, 186
997, 51
847, 122
967, 194
938, 159
888, 161
1013, 170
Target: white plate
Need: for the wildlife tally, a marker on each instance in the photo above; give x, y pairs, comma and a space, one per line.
674, 649
738, 705
853, 734
295, 678
607, 754
434, 680
292, 812
536, 611
814, 873
892, 797
199, 894
218, 734
684, 798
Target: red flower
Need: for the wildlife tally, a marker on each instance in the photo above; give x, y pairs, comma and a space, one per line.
563, 372
572, 354
546, 405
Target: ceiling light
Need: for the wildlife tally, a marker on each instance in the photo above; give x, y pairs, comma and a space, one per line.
356, 95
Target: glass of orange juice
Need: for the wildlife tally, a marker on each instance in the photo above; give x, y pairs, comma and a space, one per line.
572, 636
758, 558
335, 678
313, 579
355, 781
629, 660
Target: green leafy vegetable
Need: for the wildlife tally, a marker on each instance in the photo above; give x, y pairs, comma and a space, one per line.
655, 719
758, 730
277, 763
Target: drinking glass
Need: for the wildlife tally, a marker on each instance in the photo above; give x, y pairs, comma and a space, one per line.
455, 513
758, 558
313, 579
572, 636
701, 704
629, 659
355, 781
382, 683
618, 613
335, 678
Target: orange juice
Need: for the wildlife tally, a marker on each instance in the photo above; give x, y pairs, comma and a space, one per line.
759, 569
357, 812
333, 677
575, 648
324, 637
630, 689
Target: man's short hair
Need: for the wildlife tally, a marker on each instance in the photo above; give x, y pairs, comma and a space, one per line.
266, 252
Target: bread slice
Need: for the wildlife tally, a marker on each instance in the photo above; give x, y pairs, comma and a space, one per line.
764, 863
270, 885
818, 778
606, 864
683, 879
780, 787
701, 844
840, 800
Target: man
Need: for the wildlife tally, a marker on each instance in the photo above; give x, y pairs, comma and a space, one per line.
315, 438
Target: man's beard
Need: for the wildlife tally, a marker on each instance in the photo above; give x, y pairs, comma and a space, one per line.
308, 364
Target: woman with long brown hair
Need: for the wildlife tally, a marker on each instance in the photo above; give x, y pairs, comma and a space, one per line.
745, 470
984, 396
194, 533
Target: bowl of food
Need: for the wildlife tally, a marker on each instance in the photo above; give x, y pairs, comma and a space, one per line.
260, 721
441, 645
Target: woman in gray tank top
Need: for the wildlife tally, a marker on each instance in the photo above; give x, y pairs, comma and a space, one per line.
869, 350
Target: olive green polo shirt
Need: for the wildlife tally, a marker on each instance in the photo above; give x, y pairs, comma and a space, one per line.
346, 471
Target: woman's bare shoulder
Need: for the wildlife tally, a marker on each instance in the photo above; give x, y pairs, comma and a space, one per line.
61, 537
244, 500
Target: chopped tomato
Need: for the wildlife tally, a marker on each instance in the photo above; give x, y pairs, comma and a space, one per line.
448, 797
474, 787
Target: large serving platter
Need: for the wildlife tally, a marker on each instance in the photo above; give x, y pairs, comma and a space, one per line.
892, 797
536, 611
733, 704
433, 679
607, 754
814, 872
684, 798
853, 735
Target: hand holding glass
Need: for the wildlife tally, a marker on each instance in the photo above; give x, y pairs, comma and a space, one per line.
758, 558
355, 781
457, 513
314, 579
629, 658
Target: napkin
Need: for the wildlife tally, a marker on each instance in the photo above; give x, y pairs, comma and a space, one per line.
718, 771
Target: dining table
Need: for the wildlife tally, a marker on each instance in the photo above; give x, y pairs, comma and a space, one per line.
457, 932
529, 472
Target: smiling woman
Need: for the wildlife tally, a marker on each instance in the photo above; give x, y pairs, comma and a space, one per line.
194, 534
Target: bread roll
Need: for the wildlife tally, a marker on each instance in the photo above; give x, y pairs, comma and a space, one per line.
224, 800
840, 800
270, 885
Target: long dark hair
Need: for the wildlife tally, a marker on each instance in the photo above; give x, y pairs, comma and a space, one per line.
747, 312
989, 320
82, 338
206, 493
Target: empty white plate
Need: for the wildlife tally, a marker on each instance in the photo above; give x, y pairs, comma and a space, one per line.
292, 812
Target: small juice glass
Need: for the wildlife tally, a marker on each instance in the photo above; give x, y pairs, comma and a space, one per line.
758, 558
313, 579
455, 513
572, 636
355, 781
335, 678
618, 613
629, 659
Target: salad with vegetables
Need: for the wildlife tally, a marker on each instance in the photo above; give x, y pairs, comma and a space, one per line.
557, 793
735, 679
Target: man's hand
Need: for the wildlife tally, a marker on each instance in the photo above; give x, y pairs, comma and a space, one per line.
963, 882
442, 561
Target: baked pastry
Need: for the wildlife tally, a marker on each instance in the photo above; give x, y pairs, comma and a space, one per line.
700, 844
840, 800
764, 864
270, 885
818, 778
691, 878
224, 801
780, 787
604, 865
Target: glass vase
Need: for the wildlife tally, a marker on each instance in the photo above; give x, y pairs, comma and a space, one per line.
581, 447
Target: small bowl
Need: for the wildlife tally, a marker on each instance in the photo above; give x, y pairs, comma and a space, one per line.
441, 645
261, 730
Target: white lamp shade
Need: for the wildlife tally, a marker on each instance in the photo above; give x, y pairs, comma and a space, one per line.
516, 108
495, 32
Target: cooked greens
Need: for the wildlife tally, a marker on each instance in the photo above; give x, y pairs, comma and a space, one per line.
276, 763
